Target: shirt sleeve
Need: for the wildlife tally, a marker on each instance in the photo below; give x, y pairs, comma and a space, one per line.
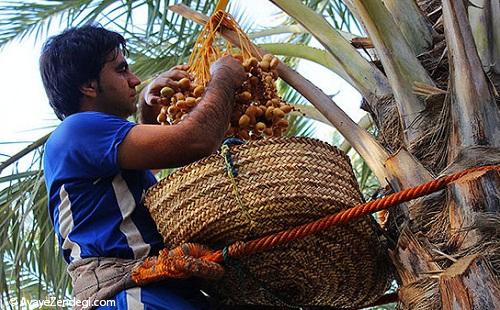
95, 138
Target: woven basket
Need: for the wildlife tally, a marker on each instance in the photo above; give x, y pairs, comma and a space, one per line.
281, 183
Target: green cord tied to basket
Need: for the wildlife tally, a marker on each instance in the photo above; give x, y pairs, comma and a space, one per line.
226, 153
232, 172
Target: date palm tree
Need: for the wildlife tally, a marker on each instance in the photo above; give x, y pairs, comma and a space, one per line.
428, 71
431, 89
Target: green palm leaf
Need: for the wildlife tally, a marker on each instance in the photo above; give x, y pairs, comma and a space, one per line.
20, 19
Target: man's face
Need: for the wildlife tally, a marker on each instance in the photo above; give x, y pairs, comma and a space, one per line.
116, 87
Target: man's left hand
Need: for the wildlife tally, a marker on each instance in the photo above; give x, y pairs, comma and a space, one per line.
168, 78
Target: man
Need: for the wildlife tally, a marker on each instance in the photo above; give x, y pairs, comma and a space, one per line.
97, 163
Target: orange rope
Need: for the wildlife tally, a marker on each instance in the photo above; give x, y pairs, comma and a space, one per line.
147, 273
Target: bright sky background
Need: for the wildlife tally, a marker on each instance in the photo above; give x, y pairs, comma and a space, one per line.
27, 113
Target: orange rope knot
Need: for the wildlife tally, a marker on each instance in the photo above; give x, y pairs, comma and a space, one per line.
182, 262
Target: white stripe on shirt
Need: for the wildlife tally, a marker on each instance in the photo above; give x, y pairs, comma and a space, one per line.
126, 203
133, 296
66, 224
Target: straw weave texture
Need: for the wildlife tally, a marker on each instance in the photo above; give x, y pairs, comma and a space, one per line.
282, 183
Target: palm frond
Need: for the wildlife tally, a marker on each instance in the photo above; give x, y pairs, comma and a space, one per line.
366, 78
367, 181
338, 15
165, 42
19, 19
32, 266
15, 158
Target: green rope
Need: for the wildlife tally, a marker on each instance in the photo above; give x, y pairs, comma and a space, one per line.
234, 263
230, 170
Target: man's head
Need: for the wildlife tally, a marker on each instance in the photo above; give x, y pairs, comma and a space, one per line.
73, 65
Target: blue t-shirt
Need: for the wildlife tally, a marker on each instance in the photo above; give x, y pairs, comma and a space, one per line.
95, 206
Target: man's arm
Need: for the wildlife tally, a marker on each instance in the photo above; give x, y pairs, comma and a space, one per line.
199, 135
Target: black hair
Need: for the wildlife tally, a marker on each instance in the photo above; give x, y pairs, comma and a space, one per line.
73, 58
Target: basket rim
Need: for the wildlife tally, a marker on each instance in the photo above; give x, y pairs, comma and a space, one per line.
246, 145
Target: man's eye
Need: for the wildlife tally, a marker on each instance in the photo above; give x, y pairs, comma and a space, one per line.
123, 68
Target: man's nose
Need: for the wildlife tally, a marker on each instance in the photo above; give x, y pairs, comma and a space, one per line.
133, 80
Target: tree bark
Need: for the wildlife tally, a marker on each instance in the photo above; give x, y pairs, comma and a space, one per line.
415, 268
469, 284
471, 196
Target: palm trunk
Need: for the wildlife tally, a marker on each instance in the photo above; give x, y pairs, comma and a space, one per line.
457, 248
470, 283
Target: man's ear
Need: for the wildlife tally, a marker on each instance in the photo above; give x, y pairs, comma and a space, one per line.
89, 88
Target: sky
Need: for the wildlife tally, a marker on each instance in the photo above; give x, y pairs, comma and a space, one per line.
28, 116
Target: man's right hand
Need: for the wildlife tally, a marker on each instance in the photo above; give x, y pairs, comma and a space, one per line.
229, 69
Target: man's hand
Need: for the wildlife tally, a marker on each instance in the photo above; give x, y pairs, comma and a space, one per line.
149, 106
169, 78
230, 70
